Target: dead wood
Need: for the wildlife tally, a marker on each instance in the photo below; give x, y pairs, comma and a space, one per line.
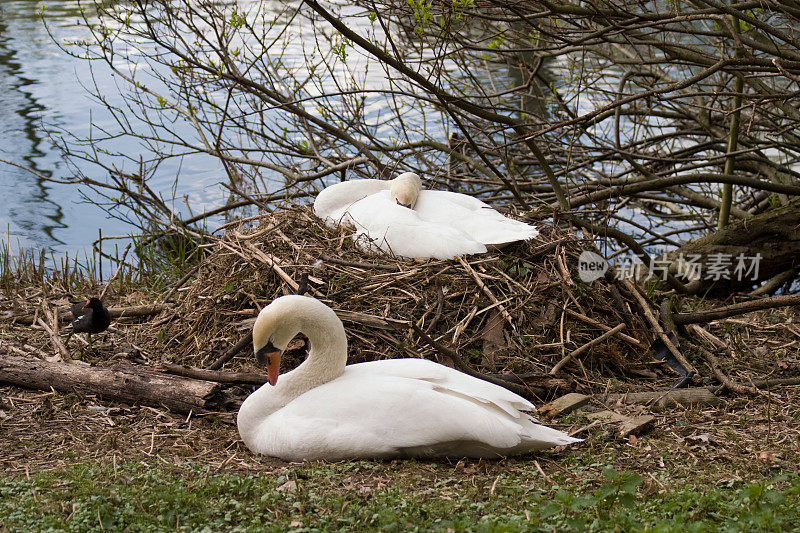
236, 378
369, 320
243, 343
486, 290
120, 263
575, 353
564, 404
116, 313
654, 323
723, 378
600, 325
693, 396
777, 281
774, 235
636, 425
736, 309
775, 382
121, 383
358, 264
52, 331
494, 340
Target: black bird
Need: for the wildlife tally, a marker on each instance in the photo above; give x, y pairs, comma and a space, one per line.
90, 317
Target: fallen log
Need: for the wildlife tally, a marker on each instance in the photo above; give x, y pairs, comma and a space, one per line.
116, 313
772, 236
121, 383
234, 378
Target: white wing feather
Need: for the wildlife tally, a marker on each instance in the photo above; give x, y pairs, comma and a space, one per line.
479, 220
442, 224
407, 407
332, 203
395, 229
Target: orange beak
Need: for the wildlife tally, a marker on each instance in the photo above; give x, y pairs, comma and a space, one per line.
87, 304
273, 367
270, 356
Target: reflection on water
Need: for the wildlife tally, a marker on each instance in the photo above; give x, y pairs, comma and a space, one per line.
29, 210
42, 89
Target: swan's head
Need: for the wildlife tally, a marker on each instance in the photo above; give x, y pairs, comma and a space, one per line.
404, 189
279, 322
274, 328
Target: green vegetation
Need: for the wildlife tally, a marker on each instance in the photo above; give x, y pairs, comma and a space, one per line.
160, 261
379, 496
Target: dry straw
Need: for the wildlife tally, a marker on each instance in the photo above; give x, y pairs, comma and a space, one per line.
517, 310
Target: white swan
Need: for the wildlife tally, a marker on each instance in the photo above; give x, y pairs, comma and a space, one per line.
402, 407
399, 217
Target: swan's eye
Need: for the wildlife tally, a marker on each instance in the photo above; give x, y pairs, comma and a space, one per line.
263, 354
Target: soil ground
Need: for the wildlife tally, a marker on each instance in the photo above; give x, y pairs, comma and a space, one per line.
701, 465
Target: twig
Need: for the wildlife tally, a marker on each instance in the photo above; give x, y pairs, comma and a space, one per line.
232, 352
723, 378
116, 272
600, 325
573, 354
245, 378
707, 336
548, 247
274, 263
776, 382
181, 281
368, 266
631, 288
369, 320
57, 344
487, 291
439, 305
736, 309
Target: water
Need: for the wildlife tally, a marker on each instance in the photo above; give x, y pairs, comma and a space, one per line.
43, 89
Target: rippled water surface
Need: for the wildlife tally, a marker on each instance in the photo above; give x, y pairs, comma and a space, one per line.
43, 89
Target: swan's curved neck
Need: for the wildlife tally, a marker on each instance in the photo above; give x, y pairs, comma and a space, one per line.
326, 361
326, 358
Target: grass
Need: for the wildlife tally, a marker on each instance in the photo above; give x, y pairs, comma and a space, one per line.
159, 262
380, 496
70, 463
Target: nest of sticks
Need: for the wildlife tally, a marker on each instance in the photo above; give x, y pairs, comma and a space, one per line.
518, 311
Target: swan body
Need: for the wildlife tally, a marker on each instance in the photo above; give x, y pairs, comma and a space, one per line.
399, 217
393, 408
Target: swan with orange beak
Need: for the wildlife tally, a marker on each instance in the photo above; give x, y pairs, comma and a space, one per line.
325, 409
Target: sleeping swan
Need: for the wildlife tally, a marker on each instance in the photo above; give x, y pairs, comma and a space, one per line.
399, 217
394, 408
